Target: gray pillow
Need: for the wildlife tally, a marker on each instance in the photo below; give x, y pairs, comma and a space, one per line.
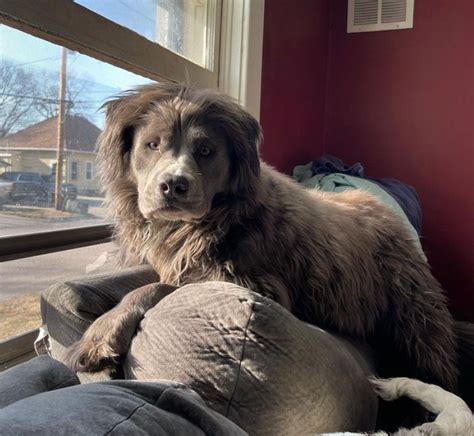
254, 362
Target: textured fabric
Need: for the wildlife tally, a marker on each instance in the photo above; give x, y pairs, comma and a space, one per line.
254, 362
109, 408
38, 375
331, 164
405, 195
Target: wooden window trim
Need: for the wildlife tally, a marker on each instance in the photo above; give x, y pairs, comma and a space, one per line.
17, 349
77, 28
34, 244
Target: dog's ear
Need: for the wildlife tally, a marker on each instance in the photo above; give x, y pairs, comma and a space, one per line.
245, 161
116, 140
243, 133
123, 115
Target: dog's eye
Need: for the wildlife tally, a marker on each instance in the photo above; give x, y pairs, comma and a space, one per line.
154, 145
204, 151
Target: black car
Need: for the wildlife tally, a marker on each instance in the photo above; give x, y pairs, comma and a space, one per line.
68, 190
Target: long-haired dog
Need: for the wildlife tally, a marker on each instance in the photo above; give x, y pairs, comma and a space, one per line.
190, 196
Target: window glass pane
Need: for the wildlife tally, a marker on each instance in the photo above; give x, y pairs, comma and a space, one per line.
89, 174
186, 27
29, 102
20, 289
74, 170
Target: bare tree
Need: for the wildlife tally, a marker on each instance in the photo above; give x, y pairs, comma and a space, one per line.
17, 90
29, 96
46, 102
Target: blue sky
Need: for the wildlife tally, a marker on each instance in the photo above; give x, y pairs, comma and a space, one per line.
137, 15
100, 80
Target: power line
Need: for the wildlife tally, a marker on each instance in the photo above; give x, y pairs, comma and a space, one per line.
29, 63
48, 100
136, 11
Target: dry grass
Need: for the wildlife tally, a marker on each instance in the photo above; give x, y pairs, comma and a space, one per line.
19, 314
36, 212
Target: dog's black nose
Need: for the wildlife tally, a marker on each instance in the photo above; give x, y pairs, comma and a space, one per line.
174, 187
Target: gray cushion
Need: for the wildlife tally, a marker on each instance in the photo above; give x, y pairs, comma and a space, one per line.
41, 374
120, 407
254, 362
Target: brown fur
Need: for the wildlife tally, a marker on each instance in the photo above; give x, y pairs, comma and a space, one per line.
342, 261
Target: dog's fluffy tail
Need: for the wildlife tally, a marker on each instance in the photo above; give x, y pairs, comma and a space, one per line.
454, 416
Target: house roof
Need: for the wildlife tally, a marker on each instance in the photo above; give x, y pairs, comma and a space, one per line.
79, 134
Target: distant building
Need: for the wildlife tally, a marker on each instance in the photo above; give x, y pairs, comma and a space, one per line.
34, 149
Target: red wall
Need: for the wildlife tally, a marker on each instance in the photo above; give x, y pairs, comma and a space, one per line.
294, 81
400, 102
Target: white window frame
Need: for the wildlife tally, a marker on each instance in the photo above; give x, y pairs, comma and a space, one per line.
89, 162
240, 72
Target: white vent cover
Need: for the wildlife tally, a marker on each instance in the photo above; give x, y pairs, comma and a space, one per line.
374, 15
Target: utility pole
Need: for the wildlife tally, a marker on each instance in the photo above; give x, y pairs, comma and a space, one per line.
61, 129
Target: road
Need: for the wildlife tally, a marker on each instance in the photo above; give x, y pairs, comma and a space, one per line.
15, 225
35, 274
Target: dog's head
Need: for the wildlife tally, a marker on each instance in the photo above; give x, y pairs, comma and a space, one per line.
180, 148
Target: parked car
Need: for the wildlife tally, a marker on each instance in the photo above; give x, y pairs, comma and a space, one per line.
21, 185
68, 190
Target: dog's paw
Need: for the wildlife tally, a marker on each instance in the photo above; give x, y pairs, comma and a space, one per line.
88, 355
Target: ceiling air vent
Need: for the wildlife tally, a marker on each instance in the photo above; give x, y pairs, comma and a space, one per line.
374, 15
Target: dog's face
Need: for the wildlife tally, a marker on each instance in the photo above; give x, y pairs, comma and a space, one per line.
180, 148
180, 162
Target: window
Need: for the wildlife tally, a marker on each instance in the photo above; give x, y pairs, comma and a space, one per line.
205, 42
31, 67
74, 170
89, 170
184, 27
29, 74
